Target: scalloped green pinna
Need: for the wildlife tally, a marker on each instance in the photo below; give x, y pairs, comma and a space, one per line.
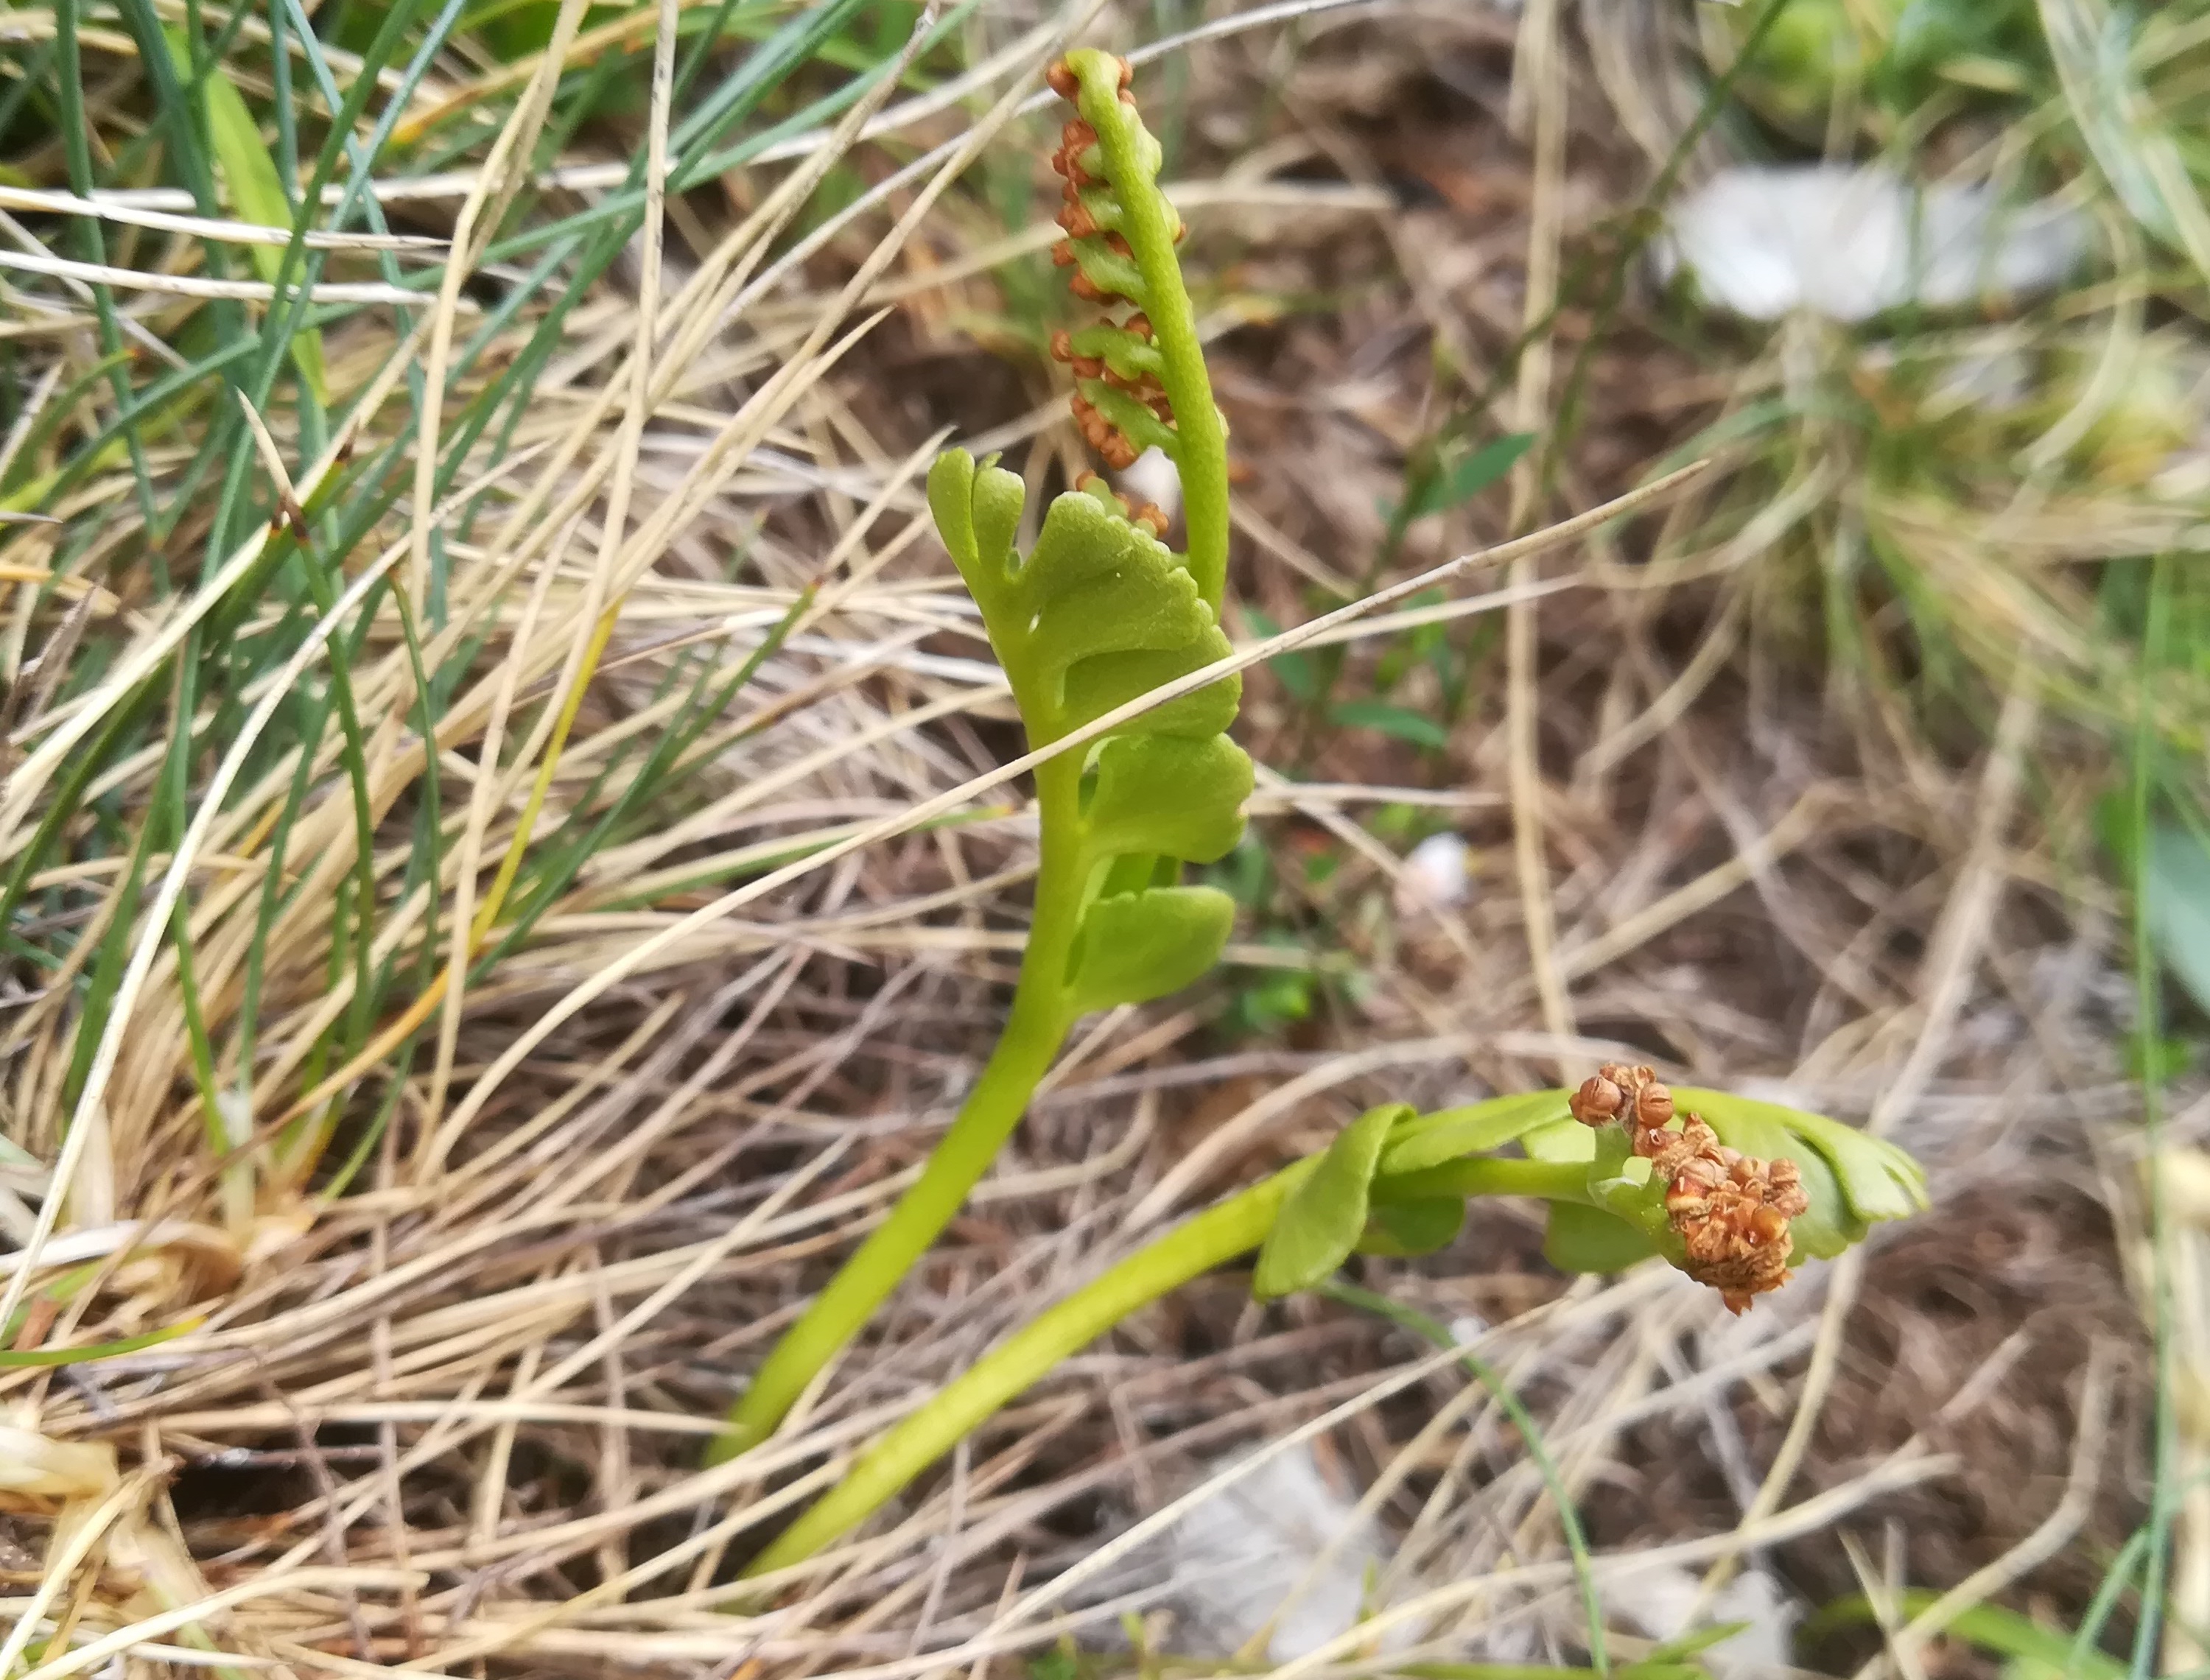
1323, 1218
1100, 612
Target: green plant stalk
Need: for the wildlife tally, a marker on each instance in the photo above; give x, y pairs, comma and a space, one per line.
1034, 1028
1235, 1227
1491, 1175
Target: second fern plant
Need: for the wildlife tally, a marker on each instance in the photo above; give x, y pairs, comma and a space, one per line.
1099, 612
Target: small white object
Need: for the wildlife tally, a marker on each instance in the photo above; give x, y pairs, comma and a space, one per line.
1660, 1601
1435, 876
1246, 1556
1850, 242
1153, 477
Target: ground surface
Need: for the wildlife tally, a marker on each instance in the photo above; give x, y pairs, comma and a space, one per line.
471, 1394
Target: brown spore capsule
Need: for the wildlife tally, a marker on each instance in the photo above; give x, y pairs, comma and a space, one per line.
1595, 1102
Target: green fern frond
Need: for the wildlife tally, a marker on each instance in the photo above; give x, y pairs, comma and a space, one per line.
1101, 612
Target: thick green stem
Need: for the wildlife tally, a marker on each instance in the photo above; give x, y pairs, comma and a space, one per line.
1034, 1030
1235, 1227
1489, 1175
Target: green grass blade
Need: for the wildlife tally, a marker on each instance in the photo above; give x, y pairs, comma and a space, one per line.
256, 195
12, 1359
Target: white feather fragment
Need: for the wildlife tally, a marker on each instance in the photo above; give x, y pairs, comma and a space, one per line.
1848, 243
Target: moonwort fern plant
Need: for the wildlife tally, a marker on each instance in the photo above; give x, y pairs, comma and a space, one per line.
1099, 612
1631, 1169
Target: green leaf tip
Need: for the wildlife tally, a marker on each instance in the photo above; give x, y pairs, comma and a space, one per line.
1138, 946
17, 1358
1876, 1180
976, 514
1323, 1218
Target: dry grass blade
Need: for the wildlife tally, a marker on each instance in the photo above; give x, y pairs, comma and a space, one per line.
191, 286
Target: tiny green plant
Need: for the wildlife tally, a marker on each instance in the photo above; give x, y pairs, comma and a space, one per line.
1630, 1168
1099, 612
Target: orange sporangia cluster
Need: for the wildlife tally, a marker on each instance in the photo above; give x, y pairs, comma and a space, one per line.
1144, 514
1074, 218
1099, 433
1102, 435
1730, 1210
